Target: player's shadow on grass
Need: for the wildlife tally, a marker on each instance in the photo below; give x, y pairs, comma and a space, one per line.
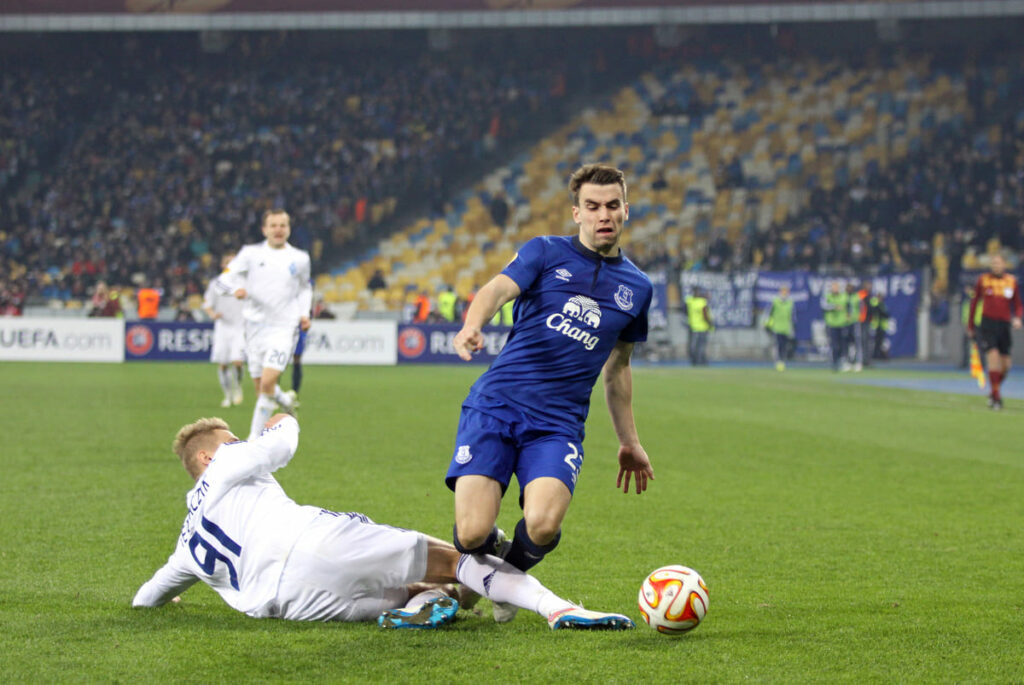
199, 618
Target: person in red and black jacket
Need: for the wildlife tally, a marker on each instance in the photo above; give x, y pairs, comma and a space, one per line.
999, 295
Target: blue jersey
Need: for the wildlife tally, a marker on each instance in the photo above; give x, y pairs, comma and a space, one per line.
574, 307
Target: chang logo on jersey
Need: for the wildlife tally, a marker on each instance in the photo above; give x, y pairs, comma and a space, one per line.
578, 313
584, 309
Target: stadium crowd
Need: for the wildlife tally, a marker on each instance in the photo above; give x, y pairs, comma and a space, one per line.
959, 196
152, 170
145, 174
965, 188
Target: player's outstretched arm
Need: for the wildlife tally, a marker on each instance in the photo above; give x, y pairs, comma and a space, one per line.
273, 449
618, 391
166, 584
486, 304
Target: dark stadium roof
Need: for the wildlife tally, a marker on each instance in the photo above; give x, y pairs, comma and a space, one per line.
164, 15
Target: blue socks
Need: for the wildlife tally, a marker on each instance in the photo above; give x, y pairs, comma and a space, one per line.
486, 548
525, 553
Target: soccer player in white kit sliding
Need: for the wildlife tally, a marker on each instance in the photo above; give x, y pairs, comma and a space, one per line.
228, 351
273, 279
269, 557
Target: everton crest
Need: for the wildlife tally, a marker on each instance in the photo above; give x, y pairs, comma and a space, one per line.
624, 298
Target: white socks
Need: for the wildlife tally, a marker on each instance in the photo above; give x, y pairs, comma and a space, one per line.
279, 395
260, 415
227, 380
500, 581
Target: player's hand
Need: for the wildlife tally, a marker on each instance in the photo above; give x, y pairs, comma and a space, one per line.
467, 341
1016, 322
633, 463
241, 294
304, 323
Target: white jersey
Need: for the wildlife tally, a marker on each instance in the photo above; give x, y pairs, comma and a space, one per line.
240, 527
224, 303
276, 282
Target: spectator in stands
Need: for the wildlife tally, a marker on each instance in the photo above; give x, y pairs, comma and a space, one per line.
320, 308
148, 301
377, 281
446, 301
499, 210
719, 253
104, 302
423, 308
659, 182
188, 154
183, 312
698, 315
12, 298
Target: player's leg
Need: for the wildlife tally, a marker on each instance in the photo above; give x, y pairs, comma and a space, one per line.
548, 466
865, 343
280, 345
236, 355
835, 341
995, 376
265, 404
855, 354
477, 503
256, 354
300, 347
991, 341
219, 356
545, 503
224, 377
236, 382
297, 372
1003, 348
479, 472
502, 583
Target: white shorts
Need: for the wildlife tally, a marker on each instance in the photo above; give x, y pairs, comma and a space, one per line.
228, 343
269, 347
345, 567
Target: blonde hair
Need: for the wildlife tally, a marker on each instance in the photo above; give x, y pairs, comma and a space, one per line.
190, 439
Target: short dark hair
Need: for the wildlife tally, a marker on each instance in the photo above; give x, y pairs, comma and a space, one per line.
599, 174
271, 212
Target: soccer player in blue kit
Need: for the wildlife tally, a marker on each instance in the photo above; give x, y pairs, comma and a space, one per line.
580, 305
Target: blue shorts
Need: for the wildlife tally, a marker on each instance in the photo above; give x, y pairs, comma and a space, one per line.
301, 344
498, 446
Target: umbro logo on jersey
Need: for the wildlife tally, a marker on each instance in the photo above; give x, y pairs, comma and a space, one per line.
563, 275
578, 314
462, 455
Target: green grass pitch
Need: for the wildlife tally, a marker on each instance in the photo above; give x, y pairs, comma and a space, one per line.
847, 533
